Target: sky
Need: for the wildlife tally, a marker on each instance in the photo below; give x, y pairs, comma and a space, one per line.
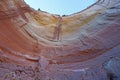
60, 7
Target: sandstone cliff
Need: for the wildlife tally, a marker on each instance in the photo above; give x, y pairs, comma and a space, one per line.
80, 46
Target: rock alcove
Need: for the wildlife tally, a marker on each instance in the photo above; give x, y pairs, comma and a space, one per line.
35, 45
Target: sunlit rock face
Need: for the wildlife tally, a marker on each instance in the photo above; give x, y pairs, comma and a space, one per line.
36, 45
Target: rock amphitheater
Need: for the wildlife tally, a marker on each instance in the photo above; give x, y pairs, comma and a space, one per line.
36, 45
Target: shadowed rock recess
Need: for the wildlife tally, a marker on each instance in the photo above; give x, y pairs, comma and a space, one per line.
36, 45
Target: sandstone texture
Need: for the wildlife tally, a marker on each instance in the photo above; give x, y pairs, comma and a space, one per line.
36, 45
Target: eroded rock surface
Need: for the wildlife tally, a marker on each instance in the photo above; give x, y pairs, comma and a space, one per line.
36, 45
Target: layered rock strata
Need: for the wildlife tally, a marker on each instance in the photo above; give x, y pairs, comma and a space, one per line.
80, 46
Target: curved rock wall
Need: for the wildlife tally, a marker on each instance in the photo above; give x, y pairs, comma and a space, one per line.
81, 46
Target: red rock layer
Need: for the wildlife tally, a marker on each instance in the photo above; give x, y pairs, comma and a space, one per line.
25, 37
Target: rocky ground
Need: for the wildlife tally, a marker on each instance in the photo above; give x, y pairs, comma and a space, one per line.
108, 71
